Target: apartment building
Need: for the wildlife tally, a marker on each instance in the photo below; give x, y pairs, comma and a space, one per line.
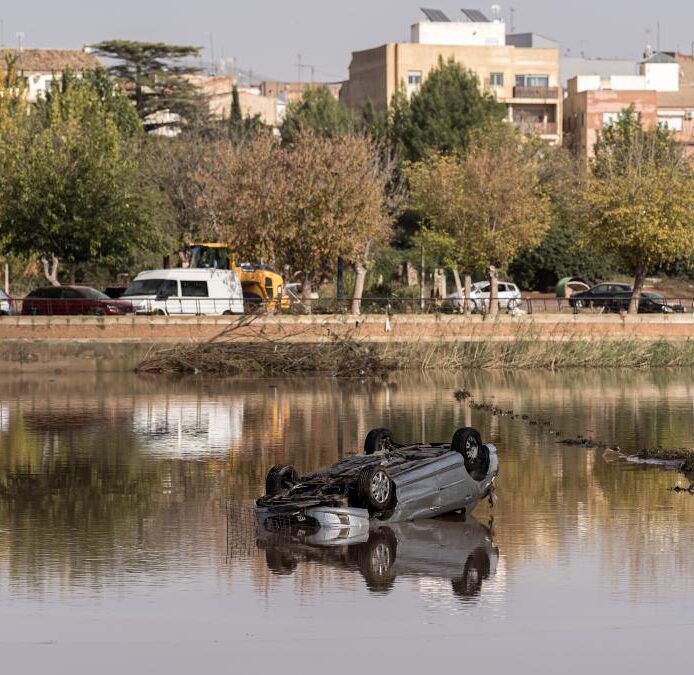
662, 93
526, 79
39, 67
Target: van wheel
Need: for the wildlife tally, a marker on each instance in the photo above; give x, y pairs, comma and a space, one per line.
159, 312
226, 313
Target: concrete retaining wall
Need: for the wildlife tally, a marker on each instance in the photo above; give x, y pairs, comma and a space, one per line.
118, 343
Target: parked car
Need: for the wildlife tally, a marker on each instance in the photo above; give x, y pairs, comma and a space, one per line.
186, 291
390, 482
71, 300
509, 296
6, 304
449, 548
615, 297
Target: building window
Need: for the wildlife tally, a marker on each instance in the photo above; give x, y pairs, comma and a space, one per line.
537, 81
496, 79
520, 80
414, 78
609, 118
671, 123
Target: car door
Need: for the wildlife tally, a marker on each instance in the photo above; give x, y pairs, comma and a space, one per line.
71, 302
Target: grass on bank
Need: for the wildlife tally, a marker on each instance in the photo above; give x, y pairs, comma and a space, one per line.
353, 358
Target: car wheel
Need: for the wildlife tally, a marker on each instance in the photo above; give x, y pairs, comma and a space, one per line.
477, 568
375, 489
376, 559
378, 440
226, 313
468, 442
159, 312
513, 303
280, 477
579, 304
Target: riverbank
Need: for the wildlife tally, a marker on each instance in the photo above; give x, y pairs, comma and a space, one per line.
343, 344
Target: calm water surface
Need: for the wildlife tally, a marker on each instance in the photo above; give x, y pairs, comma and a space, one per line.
127, 542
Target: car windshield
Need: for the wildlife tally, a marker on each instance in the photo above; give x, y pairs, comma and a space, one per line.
93, 294
3, 295
143, 287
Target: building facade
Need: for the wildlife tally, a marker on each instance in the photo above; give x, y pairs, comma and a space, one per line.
525, 79
39, 67
662, 94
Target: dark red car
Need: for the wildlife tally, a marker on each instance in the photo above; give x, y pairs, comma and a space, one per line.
70, 300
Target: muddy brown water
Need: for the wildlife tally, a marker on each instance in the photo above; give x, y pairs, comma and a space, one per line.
127, 542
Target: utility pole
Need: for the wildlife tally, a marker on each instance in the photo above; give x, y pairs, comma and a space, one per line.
2, 33
299, 67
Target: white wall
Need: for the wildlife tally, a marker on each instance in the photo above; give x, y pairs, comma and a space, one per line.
492, 33
662, 76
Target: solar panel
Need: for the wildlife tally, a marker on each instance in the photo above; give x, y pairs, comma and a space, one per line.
475, 15
435, 15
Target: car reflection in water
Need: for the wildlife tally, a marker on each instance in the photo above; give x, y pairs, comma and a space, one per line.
449, 547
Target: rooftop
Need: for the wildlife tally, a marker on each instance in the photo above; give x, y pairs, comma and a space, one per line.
50, 60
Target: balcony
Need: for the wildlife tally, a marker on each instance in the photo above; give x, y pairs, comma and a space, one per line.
536, 92
537, 128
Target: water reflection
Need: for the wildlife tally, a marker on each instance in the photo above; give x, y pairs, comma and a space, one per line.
442, 549
121, 482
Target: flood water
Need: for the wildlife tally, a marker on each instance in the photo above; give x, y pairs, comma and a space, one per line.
128, 545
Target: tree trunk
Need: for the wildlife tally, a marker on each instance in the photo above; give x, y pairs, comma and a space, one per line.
50, 270
340, 279
306, 293
458, 290
468, 293
638, 287
493, 291
358, 288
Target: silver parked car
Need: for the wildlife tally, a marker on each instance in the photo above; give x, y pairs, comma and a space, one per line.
509, 296
390, 482
6, 304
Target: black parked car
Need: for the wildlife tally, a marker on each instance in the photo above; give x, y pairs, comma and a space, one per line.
615, 297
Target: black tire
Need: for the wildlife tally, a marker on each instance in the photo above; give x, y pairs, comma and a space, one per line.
578, 304
477, 568
159, 312
378, 440
376, 559
375, 489
280, 477
226, 313
468, 442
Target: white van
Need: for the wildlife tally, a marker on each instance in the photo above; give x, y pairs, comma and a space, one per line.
186, 291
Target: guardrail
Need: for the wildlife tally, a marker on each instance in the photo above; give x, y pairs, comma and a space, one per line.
369, 305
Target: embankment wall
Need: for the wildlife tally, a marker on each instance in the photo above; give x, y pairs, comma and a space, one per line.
119, 343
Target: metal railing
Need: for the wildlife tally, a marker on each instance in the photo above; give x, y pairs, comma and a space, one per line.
536, 92
369, 305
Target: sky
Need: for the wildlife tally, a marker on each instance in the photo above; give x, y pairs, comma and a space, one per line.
265, 38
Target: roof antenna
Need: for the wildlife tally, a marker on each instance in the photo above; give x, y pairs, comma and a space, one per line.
512, 12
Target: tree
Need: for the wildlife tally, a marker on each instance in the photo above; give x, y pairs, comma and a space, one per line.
241, 128
442, 115
299, 206
320, 112
640, 198
69, 182
157, 79
489, 202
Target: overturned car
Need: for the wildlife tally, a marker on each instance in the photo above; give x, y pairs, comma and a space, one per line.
390, 482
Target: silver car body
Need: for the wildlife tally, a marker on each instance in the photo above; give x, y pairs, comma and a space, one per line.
6, 306
509, 296
436, 484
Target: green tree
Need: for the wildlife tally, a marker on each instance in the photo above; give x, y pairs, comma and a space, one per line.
70, 188
488, 202
157, 78
640, 198
320, 112
242, 129
442, 115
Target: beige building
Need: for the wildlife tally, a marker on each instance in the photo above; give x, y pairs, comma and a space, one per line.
39, 67
525, 79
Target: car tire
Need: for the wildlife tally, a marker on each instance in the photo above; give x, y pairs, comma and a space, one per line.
226, 313
378, 440
376, 560
280, 477
578, 304
512, 304
375, 489
477, 569
468, 442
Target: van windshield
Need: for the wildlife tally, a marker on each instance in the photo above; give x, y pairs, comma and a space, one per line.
145, 287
